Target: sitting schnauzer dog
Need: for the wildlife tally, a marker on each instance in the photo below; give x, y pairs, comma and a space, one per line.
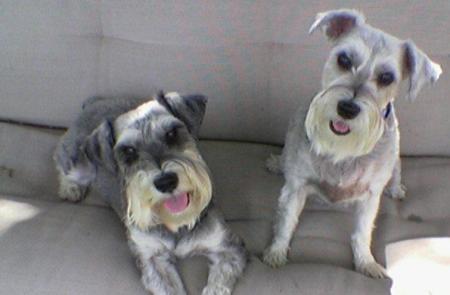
142, 157
345, 147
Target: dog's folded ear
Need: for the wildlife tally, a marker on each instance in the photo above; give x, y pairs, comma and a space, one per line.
188, 108
336, 23
419, 69
98, 146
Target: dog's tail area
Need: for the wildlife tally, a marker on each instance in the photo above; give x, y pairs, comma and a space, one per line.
274, 165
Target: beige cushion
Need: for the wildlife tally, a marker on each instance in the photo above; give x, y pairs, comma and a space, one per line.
60, 248
254, 60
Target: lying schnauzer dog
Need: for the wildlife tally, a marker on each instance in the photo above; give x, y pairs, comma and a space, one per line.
143, 158
345, 147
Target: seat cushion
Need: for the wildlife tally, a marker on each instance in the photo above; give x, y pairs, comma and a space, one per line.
60, 248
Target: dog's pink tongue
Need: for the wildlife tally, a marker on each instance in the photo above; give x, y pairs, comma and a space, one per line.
340, 126
177, 203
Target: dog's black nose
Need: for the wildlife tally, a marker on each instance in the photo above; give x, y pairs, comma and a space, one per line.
166, 182
348, 109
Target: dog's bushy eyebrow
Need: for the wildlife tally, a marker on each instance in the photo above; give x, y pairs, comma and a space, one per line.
172, 124
386, 67
127, 142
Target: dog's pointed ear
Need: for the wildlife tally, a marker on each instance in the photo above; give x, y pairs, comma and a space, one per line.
99, 145
188, 108
419, 69
336, 23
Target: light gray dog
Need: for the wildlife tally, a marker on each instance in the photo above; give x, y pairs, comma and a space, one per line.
345, 148
142, 156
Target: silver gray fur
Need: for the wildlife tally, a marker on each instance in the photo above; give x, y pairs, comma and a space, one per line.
89, 155
311, 169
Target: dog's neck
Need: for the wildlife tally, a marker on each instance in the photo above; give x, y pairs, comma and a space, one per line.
186, 228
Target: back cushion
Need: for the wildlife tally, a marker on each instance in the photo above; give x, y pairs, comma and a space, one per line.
254, 60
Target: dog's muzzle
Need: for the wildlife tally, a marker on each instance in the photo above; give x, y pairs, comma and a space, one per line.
167, 182
347, 109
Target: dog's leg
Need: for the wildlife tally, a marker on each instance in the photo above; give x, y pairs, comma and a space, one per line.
69, 189
159, 274
366, 212
75, 172
395, 189
225, 268
290, 205
225, 251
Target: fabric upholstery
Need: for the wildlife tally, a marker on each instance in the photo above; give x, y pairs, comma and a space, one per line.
250, 58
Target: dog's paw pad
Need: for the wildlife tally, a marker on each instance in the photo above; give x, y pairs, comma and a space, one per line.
216, 290
273, 164
372, 269
275, 257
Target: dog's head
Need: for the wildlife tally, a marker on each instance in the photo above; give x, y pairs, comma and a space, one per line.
153, 150
360, 80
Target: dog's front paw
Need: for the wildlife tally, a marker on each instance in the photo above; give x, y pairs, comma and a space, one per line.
216, 290
372, 269
275, 257
71, 191
396, 192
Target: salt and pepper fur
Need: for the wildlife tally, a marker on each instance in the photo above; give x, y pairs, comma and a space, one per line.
355, 168
90, 155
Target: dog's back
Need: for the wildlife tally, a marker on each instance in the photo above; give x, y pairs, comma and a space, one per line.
70, 162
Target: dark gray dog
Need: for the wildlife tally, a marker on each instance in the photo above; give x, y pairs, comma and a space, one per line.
345, 147
142, 156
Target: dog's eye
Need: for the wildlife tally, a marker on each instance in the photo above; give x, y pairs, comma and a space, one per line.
344, 61
129, 154
171, 136
385, 79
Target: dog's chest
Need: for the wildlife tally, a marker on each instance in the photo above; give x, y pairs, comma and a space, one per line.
344, 183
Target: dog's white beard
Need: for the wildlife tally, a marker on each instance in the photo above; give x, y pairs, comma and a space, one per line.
144, 203
366, 129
